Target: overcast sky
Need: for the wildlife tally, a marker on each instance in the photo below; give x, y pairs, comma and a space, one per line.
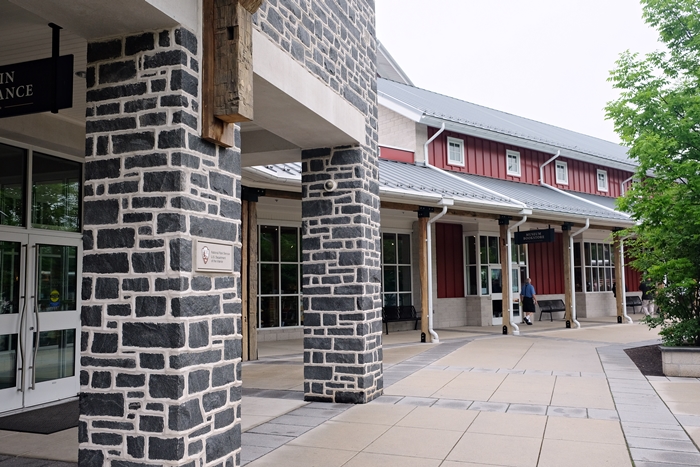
547, 60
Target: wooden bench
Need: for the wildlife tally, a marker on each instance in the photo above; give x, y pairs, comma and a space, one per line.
394, 314
550, 306
633, 301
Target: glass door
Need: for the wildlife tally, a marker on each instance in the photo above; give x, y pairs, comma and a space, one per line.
39, 319
496, 283
12, 309
53, 321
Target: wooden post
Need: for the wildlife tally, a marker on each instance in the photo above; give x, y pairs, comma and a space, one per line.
227, 67
569, 294
423, 269
252, 280
619, 283
505, 272
244, 277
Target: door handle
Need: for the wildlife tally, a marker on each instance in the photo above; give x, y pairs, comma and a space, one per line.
21, 320
36, 314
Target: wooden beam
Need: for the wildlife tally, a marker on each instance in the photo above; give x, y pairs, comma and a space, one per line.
244, 277
253, 280
423, 272
569, 295
282, 194
619, 283
213, 130
233, 63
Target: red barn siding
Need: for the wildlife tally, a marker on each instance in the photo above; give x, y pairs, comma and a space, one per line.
449, 257
396, 154
547, 266
488, 158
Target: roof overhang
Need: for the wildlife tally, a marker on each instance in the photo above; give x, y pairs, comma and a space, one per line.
420, 117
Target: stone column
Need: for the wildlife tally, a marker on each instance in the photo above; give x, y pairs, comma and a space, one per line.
161, 343
341, 275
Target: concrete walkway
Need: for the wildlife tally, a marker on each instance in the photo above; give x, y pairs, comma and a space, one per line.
550, 397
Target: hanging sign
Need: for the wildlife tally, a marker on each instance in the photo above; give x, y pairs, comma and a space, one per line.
534, 236
27, 87
213, 257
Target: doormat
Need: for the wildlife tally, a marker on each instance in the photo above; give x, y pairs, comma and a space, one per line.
43, 421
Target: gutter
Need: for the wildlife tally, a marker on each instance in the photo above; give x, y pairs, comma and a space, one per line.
542, 183
516, 329
622, 184
427, 164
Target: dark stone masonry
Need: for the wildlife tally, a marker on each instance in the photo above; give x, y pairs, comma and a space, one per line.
161, 356
336, 42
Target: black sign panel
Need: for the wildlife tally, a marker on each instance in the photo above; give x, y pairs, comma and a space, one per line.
26, 88
534, 236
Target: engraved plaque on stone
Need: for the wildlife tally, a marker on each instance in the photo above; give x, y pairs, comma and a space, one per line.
214, 257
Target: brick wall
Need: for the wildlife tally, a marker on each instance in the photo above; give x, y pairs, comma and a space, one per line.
161, 344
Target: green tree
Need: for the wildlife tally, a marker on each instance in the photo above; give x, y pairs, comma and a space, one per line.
657, 116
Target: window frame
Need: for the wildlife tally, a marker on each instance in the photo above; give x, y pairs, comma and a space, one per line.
509, 153
590, 268
398, 264
459, 142
600, 172
279, 262
565, 166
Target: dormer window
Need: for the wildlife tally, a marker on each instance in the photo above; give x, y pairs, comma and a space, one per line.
562, 172
513, 163
602, 180
455, 151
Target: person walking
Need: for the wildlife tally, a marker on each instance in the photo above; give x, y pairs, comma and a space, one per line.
529, 300
647, 289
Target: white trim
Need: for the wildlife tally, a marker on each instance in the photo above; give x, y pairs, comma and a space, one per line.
456, 142
509, 153
598, 173
565, 180
399, 107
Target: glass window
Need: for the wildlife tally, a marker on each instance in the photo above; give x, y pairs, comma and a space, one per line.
513, 163
562, 173
484, 280
455, 151
471, 261
12, 182
396, 268
57, 278
599, 267
9, 277
493, 251
279, 269
55, 193
602, 180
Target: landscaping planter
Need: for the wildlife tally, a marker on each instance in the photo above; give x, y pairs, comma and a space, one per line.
681, 361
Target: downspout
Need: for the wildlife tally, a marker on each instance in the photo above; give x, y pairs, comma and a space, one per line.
542, 183
516, 329
622, 185
463, 180
445, 202
571, 267
624, 281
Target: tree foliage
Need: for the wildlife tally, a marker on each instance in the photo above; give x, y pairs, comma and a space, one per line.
657, 116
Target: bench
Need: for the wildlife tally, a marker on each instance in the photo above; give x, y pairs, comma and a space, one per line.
633, 301
550, 306
393, 314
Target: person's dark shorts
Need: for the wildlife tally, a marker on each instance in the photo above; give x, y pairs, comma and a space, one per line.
528, 305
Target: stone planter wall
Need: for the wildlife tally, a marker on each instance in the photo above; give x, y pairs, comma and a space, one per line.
681, 361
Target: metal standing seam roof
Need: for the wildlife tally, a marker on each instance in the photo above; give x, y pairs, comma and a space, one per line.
540, 198
410, 179
417, 180
450, 109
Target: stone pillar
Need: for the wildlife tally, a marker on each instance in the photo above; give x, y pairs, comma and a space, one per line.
161, 344
341, 275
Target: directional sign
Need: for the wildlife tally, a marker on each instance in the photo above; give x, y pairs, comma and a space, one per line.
534, 236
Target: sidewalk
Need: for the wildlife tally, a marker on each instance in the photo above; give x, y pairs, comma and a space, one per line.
551, 397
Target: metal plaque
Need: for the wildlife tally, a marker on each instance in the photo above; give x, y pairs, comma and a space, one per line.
213, 257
